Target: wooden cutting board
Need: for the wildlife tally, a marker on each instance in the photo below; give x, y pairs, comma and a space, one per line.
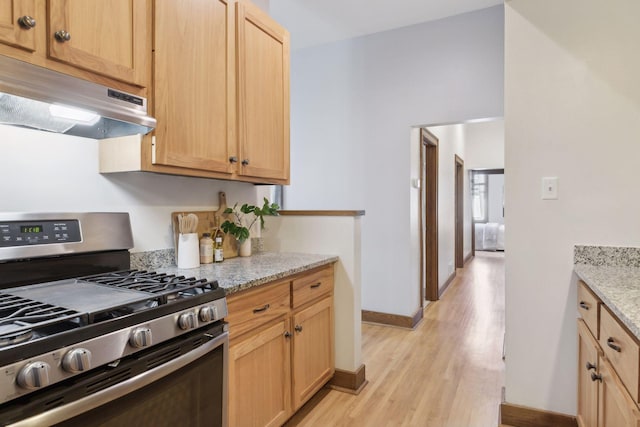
206, 223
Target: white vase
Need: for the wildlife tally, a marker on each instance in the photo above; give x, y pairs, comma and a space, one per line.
245, 248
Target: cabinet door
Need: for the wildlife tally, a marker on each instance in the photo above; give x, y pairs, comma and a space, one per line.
260, 378
587, 387
108, 37
194, 84
313, 357
615, 407
12, 12
263, 94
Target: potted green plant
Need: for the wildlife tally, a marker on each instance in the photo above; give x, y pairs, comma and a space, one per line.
243, 218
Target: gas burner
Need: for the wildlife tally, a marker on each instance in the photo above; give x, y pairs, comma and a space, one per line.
14, 333
20, 316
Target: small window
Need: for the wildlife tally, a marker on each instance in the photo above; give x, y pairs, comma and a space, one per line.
479, 196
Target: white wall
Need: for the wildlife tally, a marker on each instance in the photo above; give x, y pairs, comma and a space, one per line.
495, 198
485, 147
49, 172
353, 104
573, 111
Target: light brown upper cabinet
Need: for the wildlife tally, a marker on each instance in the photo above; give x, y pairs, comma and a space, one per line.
194, 89
17, 23
221, 73
104, 41
107, 37
263, 94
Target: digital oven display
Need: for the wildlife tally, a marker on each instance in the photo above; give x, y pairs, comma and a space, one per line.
31, 229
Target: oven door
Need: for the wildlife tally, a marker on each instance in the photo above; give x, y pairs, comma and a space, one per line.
189, 390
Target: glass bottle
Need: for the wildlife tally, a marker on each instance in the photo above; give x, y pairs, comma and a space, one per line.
218, 239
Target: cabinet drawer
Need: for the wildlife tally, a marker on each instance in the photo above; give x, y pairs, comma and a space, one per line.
311, 286
621, 350
250, 309
588, 307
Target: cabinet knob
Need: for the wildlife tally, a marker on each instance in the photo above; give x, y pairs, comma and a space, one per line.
62, 36
596, 377
26, 22
233, 159
298, 328
610, 343
245, 162
287, 334
590, 366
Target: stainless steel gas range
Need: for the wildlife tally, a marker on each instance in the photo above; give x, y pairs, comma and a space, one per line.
85, 340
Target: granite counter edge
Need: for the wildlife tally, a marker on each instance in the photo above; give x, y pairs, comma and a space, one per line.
230, 290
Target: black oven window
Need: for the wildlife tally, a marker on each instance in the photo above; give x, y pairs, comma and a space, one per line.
191, 396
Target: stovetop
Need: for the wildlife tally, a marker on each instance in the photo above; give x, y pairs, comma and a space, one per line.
36, 311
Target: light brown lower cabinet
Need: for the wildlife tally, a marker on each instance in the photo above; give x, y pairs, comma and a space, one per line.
313, 357
260, 377
588, 350
615, 407
603, 398
278, 363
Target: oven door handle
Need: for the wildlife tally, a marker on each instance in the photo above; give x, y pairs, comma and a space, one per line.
72, 409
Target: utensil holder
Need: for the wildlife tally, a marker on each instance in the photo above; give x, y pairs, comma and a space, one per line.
188, 250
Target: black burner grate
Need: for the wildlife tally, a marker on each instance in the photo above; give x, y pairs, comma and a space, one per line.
166, 285
19, 317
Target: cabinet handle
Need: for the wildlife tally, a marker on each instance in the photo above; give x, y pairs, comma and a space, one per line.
287, 334
26, 22
62, 36
298, 328
317, 285
233, 159
610, 343
261, 309
596, 377
584, 305
245, 162
590, 366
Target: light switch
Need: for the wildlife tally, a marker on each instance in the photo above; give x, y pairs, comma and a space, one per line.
550, 188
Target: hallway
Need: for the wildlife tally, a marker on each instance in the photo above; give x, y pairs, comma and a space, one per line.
447, 372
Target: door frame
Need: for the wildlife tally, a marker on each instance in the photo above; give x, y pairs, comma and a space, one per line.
428, 217
459, 211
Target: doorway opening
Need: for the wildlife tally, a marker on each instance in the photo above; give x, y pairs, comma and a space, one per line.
487, 208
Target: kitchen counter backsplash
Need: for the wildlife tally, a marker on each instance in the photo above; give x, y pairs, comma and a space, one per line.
235, 274
612, 256
152, 260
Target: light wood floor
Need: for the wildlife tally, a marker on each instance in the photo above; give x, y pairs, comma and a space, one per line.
447, 372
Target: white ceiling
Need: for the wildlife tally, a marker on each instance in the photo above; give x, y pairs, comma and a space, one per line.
314, 22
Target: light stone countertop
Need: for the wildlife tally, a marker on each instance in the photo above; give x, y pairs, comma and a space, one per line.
240, 273
613, 274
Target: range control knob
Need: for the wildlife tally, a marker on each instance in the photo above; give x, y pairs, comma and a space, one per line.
187, 321
140, 338
34, 375
77, 360
209, 313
